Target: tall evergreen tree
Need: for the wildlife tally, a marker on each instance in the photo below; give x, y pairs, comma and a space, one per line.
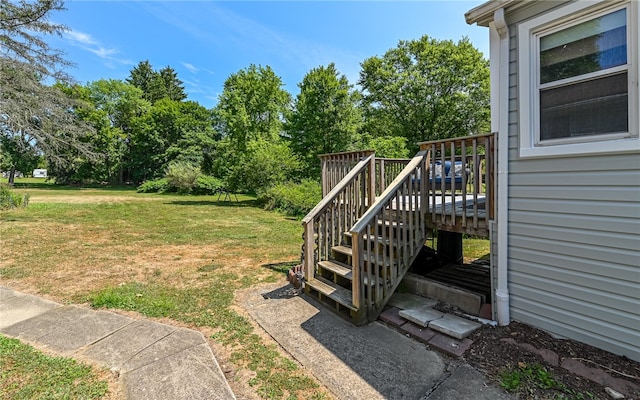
157, 85
173, 86
142, 76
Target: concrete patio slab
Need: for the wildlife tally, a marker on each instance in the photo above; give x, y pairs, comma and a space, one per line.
176, 342
119, 347
17, 307
367, 362
454, 326
85, 331
421, 315
192, 374
405, 301
159, 361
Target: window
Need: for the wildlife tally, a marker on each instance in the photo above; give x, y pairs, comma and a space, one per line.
578, 74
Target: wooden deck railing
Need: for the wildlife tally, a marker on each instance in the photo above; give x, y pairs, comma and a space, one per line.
325, 225
388, 237
336, 166
463, 200
387, 169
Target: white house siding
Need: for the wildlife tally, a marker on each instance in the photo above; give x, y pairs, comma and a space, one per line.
574, 237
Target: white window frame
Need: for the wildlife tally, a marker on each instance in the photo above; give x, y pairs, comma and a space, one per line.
528, 78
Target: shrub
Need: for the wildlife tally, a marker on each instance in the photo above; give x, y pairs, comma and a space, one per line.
263, 165
294, 199
154, 186
182, 176
10, 199
206, 184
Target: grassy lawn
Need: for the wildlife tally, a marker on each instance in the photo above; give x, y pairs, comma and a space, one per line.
26, 373
163, 256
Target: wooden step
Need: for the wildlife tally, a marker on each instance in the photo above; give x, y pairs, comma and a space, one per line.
373, 238
337, 268
332, 291
346, 250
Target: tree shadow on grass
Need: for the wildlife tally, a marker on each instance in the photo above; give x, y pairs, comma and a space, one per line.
283, 267
55, 186
216, 203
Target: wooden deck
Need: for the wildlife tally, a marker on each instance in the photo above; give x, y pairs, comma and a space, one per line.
453, 212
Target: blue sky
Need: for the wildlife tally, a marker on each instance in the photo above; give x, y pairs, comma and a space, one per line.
207, 41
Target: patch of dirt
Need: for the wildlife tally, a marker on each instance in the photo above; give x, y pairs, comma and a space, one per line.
87, 199
518, 346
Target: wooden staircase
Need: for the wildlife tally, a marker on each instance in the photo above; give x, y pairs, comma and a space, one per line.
359, 244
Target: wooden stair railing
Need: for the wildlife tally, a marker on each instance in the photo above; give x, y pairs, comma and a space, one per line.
357, 268
336, 166
325, 226
388, 237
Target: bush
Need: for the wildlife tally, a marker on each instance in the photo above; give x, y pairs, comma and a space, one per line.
263, 165
182, 176
10, 199
154, 186
206, 184
294, 199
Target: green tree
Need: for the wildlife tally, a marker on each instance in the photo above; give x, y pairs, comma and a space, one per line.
118, 107
174, 88
427, 89
325, 117
252, 106
157, 85
171, 130
143, 77
35, 118
197, 142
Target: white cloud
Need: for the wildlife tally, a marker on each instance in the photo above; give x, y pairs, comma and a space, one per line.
190, 67
86, 42
82, 38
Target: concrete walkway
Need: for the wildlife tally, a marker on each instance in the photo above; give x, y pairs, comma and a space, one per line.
369, 362
153, 360
158, 361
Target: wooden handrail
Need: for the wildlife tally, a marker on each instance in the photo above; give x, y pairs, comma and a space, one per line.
398, 221
388, 193
330, 197
467, 139
336, 212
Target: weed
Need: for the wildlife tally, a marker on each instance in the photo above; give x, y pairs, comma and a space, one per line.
527, 376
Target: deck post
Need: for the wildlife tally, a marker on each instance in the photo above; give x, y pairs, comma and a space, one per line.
309, 259
356, 256
372, 182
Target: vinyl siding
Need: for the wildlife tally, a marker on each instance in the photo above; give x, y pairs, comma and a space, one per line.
574, 236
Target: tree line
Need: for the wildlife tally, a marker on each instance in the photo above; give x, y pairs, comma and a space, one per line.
257, 135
